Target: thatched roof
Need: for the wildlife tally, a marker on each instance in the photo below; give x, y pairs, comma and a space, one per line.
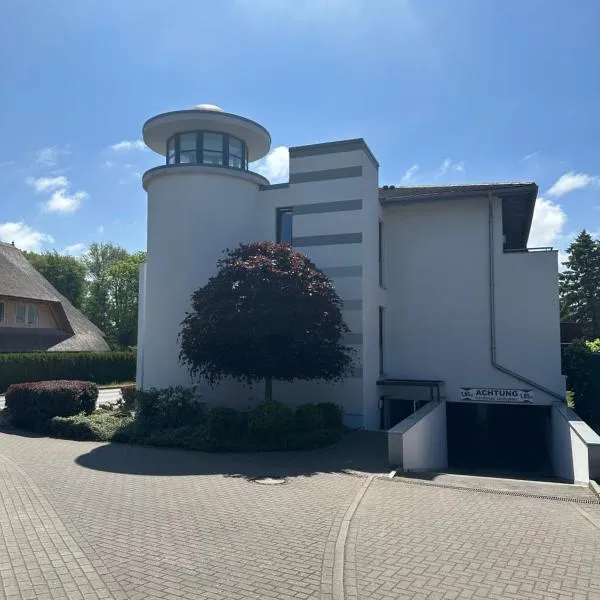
19, 280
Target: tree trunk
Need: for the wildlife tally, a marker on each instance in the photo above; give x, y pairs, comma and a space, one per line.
268, 389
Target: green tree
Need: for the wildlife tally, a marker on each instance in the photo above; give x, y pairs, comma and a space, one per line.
267, 314
580, 285
120, 285
98, 259
66, 273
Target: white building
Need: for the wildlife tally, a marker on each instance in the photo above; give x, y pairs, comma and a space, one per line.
449, 312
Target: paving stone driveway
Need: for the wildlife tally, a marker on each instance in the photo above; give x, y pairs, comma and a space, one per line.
84, 520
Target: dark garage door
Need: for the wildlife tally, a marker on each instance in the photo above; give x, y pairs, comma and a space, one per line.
499, 437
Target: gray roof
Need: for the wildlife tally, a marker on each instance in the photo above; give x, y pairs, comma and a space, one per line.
18, 279
518, 201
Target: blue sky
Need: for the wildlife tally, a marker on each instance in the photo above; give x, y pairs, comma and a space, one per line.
442, 91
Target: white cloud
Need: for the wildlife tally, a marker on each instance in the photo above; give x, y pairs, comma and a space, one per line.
62, 201
74, 249
409, 175
7, 163
275, 166
24, 236
48, 157
100, 229
547, 225
47, 184
530, 156
128, 145
448, 165
572, 181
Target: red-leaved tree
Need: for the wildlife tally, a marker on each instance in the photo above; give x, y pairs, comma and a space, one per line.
269, 313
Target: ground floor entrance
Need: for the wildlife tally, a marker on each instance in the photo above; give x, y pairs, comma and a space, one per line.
499, 437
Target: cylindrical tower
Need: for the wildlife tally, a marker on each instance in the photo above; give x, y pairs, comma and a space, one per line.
200, 202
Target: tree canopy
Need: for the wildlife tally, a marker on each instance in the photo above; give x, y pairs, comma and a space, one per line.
65, 273
580, 285
268, 313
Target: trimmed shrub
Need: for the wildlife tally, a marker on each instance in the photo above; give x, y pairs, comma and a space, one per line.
128, 393
169, 408
309, 417
99, 367
333, 415
270, 422
32, 404
223, 425
100, 426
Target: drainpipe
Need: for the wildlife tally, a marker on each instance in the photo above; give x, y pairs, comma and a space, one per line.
492, 295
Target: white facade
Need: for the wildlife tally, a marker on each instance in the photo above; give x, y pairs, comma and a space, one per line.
462, 303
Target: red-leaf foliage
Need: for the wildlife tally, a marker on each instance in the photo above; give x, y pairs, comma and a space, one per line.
268, 313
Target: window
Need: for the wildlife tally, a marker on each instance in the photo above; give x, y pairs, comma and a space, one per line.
284, 225
1, 312
381, 371
208, 148
20, 318
32, 314
380, 242
187, 148
171, 151
212, 151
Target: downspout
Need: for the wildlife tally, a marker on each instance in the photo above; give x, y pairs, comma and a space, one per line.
492, 295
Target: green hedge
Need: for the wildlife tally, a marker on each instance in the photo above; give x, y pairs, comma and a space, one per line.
99, 367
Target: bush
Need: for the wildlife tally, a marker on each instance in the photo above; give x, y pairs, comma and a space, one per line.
99, 367
223, 425
309, 417
169, 408
333, 415
128, 394
32, 404
100, 426
270, 421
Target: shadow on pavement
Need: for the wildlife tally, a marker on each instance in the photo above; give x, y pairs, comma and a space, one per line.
360, 451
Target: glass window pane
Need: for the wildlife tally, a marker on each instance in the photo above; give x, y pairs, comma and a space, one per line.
235, 162
32, 313
20, 313
284, 225
235, 147
187, 157
187, 141
213, 141
1, 312
212, 158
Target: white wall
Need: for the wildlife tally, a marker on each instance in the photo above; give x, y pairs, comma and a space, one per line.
192, 218
419, 442
438, 317
572, 442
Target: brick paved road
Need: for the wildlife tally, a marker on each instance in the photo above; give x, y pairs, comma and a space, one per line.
83, 520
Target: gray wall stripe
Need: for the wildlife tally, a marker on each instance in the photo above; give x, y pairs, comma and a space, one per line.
350, 271
353, 338
327, 240
327, 207
352, 304
341, 173
333, 148
274, 186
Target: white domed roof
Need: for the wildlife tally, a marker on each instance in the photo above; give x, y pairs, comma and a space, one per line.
208, 107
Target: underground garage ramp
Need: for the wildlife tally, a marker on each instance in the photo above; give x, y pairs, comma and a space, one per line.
499, 438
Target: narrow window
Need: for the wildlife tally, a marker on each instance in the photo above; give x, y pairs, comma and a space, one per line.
171, 151
1, 312
32, 314
381, 371
20, 318
212, 152
380, 253
236, 154
284, 225
187, 148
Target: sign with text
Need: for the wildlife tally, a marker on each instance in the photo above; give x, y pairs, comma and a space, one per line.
496, 395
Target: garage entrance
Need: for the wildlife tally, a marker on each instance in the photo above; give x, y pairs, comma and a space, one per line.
499, 437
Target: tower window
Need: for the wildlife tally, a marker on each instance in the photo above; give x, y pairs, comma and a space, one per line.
207, 148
